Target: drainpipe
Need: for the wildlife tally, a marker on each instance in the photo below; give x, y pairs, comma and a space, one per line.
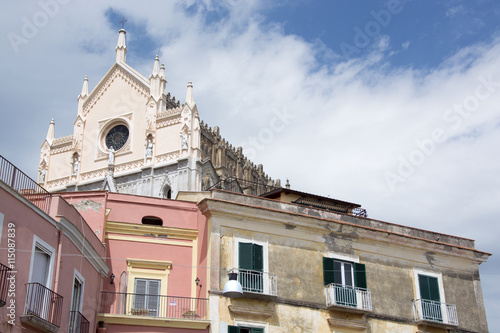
58, 260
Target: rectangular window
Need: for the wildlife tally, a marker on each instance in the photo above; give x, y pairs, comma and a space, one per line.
431, 300
242, 329
77, 321
345, 277
251, 267
146, 297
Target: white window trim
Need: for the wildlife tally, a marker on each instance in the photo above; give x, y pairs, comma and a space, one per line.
343, 257
37, 241
265, 256
79, 277
265, 251
255, 324
439, 276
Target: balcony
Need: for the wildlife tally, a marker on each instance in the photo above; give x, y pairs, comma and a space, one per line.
4, 284
152, 310
42, 308
78, 323
350, 298
438, 313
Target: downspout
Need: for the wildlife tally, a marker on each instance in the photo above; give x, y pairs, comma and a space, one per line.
58, 260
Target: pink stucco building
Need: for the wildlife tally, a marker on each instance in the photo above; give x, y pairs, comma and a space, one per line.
87, 261
52, 264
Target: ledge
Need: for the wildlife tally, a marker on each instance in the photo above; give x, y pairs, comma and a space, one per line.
347, 309
351, 324
251, 311
39, 323
260, 296
196, 324
422, 324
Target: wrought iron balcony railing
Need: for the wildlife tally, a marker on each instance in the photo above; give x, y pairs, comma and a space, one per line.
351, 297
258, 282
43, 303
154, 305
78, 323
438, 312
4, 284
24, 185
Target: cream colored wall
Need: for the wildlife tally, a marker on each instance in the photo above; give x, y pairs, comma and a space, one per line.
168, 139
115, 102
296, 246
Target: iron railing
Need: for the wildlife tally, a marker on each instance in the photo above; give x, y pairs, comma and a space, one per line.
4, 283
43, 303
336, 207
339, 295
24, 185
78, 323
154, 305
434, 311
238, 185
258, 282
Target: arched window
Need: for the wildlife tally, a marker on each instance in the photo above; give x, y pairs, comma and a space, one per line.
152, 220
167, 192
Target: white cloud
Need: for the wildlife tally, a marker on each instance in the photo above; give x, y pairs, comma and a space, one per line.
353, 120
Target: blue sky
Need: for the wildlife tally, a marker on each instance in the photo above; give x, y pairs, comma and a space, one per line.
398, 112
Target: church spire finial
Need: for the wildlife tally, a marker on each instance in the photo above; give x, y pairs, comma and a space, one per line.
50, 132
85, 87
121, 46
156, 66
189, 95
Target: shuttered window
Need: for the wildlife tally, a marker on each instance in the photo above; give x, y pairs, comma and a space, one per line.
251, 267
345, 273
146, 298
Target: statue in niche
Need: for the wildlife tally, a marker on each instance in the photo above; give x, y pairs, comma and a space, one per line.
149, 148
111, 157
184, 140
42, 175
76, 164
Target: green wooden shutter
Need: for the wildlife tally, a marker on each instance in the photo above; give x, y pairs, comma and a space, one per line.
257, 330
258, 262
233, 329
359, 275
245, 257
434, 289
429, 288
328, 275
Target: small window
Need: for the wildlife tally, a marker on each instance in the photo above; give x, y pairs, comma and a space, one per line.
251, 267
152, 220
146, 297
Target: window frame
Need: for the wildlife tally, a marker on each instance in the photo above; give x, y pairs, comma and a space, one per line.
416, 284
50, 251
265, 257
250, 324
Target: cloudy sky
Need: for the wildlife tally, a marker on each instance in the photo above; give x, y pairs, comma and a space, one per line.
393, 105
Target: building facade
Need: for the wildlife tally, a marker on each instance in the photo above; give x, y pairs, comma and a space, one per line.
308, 269
51, 264
130, 136
157, 257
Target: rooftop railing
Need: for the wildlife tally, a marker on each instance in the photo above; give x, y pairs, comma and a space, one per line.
24, 185
351, 297
154, 305
43, 303
238, 185
433, 311
4, 284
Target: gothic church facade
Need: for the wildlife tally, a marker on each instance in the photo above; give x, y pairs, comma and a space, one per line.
130, 136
